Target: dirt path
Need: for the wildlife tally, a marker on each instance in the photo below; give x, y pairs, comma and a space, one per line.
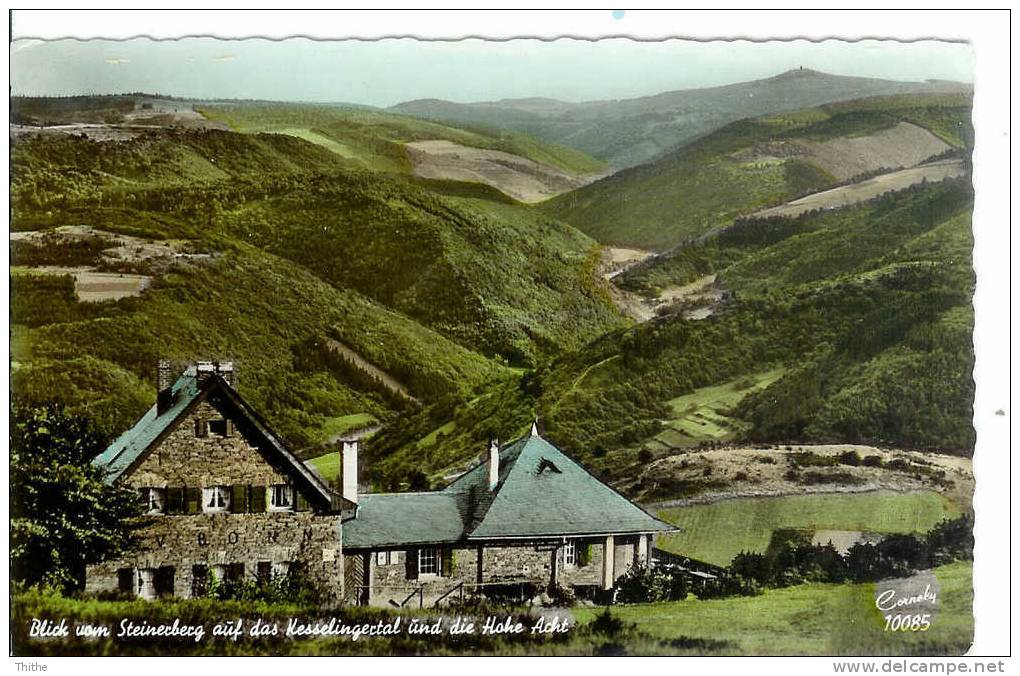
352, 357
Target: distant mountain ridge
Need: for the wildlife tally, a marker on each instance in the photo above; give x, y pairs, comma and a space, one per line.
627, 132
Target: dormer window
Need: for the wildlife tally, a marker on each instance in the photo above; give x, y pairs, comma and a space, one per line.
281, 498
216, 499
153, 500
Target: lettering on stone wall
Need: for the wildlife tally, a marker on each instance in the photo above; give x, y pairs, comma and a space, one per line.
202, 542
272, 536
233, 537
309, 535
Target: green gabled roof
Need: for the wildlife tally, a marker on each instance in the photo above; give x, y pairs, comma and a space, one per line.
131, 446
398, 519
541, 492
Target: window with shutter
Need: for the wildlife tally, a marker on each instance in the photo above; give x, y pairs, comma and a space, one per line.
216, 499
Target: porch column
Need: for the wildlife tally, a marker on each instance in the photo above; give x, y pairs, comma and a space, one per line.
608, 562
553, 568
641, 559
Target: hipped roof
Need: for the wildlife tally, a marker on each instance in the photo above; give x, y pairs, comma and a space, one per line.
540, 493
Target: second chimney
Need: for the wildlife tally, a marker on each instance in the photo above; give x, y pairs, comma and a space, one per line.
493, 464
164, 386
350, 470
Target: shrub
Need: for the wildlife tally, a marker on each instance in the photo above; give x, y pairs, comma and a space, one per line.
644, 585
644, 455
852, 458
872, 461
725, 586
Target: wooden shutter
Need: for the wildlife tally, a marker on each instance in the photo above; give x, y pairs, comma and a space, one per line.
258, 499
201, 428
228, 431
300, 504
238, 498
411, 565
192, 500
175, 500
446, 562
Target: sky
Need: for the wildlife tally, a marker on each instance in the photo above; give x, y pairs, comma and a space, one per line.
389, 71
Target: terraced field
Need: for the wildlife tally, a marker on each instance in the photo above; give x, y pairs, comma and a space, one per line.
701, 415
718, 531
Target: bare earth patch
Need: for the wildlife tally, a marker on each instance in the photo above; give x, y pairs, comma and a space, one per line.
523, 179
745, 472
868, 189
115, 272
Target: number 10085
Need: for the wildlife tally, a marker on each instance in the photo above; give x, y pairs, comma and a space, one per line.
908, 622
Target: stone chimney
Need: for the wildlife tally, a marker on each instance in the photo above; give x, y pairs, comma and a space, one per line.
164, 386
223, 369
350, 470
492, 463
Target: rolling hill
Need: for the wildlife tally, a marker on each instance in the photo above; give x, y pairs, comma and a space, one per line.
522, 167
754, 164
628, 132
482, 272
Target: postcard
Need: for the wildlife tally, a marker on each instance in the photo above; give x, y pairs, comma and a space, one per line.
515, 347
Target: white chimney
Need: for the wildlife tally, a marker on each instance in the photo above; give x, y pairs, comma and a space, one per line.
350, 470
493, 464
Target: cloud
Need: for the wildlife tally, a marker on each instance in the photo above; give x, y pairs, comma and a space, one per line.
117, 60
223, 58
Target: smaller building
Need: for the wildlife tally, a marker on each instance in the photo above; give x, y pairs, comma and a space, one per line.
528, 517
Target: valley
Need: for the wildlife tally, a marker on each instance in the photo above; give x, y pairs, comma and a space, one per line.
767, 316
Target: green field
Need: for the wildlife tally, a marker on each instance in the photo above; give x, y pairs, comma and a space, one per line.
718, 531
810, 619
340, 425
328, 466
374, 139
702, 414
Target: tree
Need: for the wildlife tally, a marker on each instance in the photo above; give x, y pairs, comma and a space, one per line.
64, 516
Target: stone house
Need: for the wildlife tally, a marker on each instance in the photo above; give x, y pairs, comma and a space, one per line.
528, 517
226, 499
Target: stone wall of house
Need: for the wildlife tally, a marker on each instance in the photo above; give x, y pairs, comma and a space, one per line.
183, 541
390, 582
185, 459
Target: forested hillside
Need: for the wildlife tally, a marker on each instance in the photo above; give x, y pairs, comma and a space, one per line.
761, 162
353, 294
286, 248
